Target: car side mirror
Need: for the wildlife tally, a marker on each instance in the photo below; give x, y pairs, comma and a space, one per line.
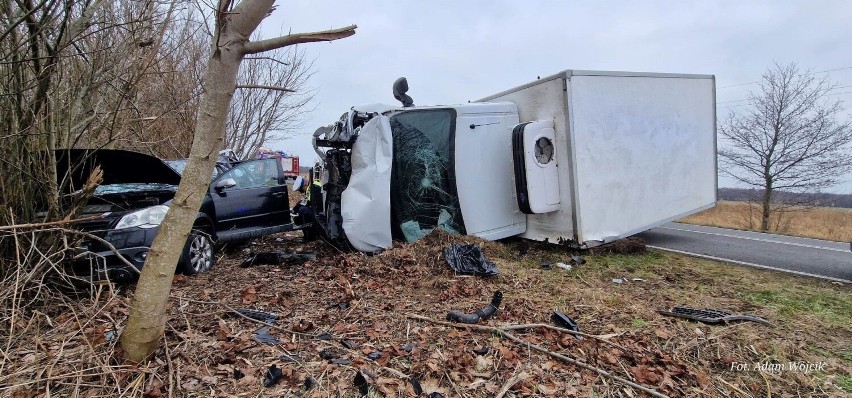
225, 184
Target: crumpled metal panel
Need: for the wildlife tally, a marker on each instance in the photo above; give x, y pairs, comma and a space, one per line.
365, 203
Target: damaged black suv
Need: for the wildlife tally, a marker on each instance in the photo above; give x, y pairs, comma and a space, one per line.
246, 199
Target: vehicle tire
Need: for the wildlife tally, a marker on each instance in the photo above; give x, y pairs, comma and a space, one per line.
197, 254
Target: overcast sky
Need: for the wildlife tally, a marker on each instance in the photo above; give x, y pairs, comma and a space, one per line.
455, 51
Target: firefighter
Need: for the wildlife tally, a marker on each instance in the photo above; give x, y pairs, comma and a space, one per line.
303, 210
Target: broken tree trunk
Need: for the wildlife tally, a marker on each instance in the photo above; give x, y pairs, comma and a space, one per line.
148, 314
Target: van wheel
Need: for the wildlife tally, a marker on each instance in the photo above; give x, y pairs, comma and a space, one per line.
197, 255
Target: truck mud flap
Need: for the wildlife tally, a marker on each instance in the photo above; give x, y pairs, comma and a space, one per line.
520, 168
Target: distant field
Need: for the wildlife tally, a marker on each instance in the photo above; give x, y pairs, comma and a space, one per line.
818, 222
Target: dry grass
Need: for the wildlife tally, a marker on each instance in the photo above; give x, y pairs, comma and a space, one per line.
68, 348
816, 222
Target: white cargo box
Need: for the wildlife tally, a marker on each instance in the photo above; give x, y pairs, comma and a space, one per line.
633, 150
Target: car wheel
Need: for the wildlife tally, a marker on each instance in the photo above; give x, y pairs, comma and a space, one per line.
197, 254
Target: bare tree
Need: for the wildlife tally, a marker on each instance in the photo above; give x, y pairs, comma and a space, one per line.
258, 115
234, 26
791, 138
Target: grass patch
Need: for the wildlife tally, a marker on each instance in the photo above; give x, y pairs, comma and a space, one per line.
845, 383
639, 323
812, 222
801, 301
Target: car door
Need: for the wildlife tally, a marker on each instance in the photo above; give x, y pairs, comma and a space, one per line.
255, 196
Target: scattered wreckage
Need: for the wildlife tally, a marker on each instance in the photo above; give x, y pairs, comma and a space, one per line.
580, 157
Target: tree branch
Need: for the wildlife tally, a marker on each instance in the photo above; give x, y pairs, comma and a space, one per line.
298, 38
268, 59
276, 88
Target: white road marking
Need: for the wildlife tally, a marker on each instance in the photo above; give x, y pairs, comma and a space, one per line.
757, 239
750, 264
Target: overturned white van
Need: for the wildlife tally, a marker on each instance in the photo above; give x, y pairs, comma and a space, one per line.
580, 157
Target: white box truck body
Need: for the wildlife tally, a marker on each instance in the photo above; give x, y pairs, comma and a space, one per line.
584, 157
633, 150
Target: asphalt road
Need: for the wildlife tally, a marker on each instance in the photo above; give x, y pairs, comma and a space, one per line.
803, 256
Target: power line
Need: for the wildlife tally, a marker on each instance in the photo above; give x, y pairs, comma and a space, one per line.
737, 106
822, 71
746, 99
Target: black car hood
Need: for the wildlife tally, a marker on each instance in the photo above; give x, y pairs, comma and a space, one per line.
73, 167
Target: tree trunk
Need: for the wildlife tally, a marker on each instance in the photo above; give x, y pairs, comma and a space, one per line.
767, 202
148, 313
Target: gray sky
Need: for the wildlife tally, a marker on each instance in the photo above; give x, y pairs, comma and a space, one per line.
455, 51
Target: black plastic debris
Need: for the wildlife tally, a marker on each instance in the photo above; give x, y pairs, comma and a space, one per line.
290, 358
238, 374
278, 258
262, 336
415, 384
273, 376
482, 314
329, 354
468, 259
481, 351
348, 344
408, 347
577, 260
712, 316
374, 355
342, 306
340, 361
436, 395
361, 383
324, 337
268, 318
565, 322
545, 265
309, 383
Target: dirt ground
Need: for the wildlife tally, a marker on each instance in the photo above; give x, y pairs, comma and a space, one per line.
346, 327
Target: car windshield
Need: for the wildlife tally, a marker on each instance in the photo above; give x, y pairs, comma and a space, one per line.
133, 187
177, 164
423, 174
180, 164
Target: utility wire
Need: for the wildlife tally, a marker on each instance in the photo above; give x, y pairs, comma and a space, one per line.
746, 99
822, 71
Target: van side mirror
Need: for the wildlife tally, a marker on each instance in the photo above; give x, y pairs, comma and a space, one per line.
400, 87
225, 184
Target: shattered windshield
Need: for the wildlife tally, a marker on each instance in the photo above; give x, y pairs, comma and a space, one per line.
422, 175
133, 187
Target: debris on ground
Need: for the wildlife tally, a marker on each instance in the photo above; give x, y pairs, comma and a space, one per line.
545, 265
618, 281
631, 245
565, 322
278, 258
262, 336
564, 266
273, 376
208, 350
469, 260
712, 316
480, 315
261, 316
